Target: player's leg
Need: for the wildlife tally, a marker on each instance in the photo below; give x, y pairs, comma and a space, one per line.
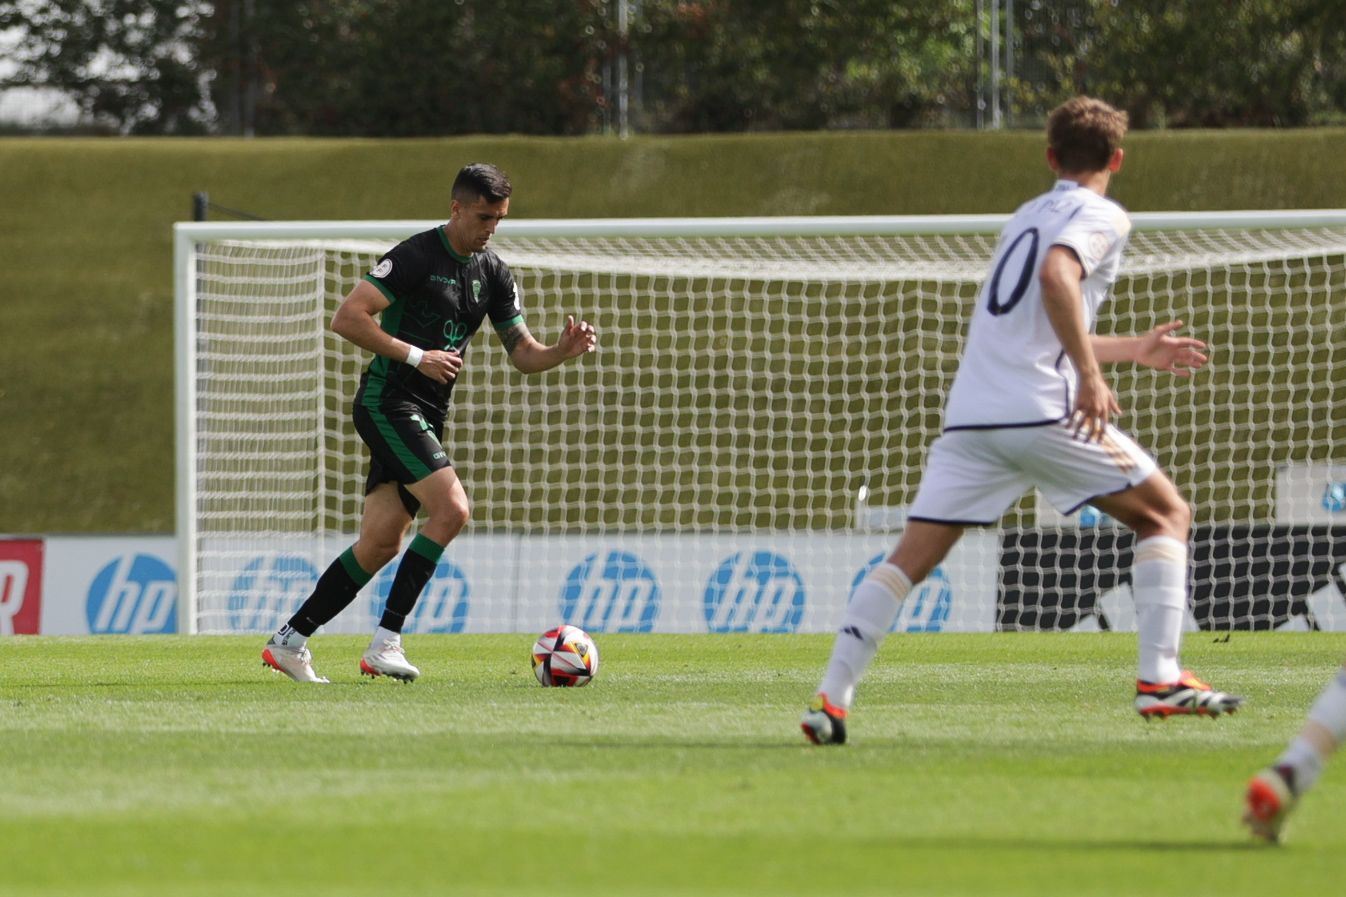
877, 601
408, 459
1118, 477
962, 485
447, 509
1161, 520
872, 610
382, 526
446, 505
1273, 791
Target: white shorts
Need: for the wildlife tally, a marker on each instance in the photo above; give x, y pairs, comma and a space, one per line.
972, 477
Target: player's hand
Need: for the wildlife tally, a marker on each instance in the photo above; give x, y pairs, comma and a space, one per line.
1094, 405
441, 367
576, 339
1161, 350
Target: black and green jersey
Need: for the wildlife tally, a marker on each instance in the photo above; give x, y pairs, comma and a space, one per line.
439, 299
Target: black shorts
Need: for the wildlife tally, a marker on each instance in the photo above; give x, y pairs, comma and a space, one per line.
404, 447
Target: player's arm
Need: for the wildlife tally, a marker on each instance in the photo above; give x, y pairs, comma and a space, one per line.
1158, 349
1063, 301
531, 357
355, 321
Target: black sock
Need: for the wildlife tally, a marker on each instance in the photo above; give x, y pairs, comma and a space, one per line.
336, 589
418, 565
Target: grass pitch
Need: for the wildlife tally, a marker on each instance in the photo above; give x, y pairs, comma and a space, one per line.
1005, 764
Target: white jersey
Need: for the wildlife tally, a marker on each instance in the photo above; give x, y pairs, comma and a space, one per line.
1014, 371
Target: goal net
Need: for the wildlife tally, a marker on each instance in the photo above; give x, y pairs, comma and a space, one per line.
744, 443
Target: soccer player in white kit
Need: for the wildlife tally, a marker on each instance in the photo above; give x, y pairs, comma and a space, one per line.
1030, 407
1273, 792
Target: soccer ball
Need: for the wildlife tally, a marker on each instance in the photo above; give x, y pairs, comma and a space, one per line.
565, 657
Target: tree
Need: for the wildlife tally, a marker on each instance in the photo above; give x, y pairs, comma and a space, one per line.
482, 66
432, 67
282, 68
716, 65
128, 64
406, 67
1239, 62
1231, 63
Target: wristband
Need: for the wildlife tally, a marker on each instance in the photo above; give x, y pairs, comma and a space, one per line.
414, 356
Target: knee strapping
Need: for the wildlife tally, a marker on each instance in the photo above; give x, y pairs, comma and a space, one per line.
1159, 572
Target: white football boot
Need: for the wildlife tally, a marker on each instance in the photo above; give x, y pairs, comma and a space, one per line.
1188, 696
385, 657
297, 663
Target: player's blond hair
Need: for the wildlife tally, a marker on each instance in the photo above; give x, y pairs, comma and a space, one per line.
1084, 133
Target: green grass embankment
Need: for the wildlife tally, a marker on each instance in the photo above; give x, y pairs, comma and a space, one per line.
86, 354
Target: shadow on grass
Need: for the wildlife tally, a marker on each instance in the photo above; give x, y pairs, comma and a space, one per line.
962, 843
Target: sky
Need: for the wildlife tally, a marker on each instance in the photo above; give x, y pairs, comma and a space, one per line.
27, 106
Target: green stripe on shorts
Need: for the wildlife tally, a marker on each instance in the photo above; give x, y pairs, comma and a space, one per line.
403, 452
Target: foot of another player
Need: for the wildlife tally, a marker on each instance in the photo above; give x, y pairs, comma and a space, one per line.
297, 663
1188, 696
1267, 802
385, 657
824, 722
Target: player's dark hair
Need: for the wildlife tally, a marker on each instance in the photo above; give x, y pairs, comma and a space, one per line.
1084, 133
481, 180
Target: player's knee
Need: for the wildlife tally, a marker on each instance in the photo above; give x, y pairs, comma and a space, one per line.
460, 515
374, 553
453, 515
915, 570
1182, 517
1172, 518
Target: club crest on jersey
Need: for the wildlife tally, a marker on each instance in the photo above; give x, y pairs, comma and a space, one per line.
476, 291
383, 269
1098, 244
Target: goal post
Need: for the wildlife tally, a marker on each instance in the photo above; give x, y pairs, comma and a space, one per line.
745, 441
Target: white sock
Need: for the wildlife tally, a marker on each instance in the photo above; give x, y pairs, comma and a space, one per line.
1304, 756
1329, 711
287, 637
382, 635
868, 618
1304, 761
1159, 584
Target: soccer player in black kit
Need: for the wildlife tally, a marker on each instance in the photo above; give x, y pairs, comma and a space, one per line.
432, 291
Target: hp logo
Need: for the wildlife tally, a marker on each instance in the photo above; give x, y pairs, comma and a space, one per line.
133, 595
611, 592
268, 591
754, 592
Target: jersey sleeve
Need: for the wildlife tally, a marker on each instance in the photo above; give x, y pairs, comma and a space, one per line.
1097, 232
400, 271
506, 307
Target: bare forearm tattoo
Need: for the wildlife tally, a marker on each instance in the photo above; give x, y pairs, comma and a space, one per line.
513, 336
